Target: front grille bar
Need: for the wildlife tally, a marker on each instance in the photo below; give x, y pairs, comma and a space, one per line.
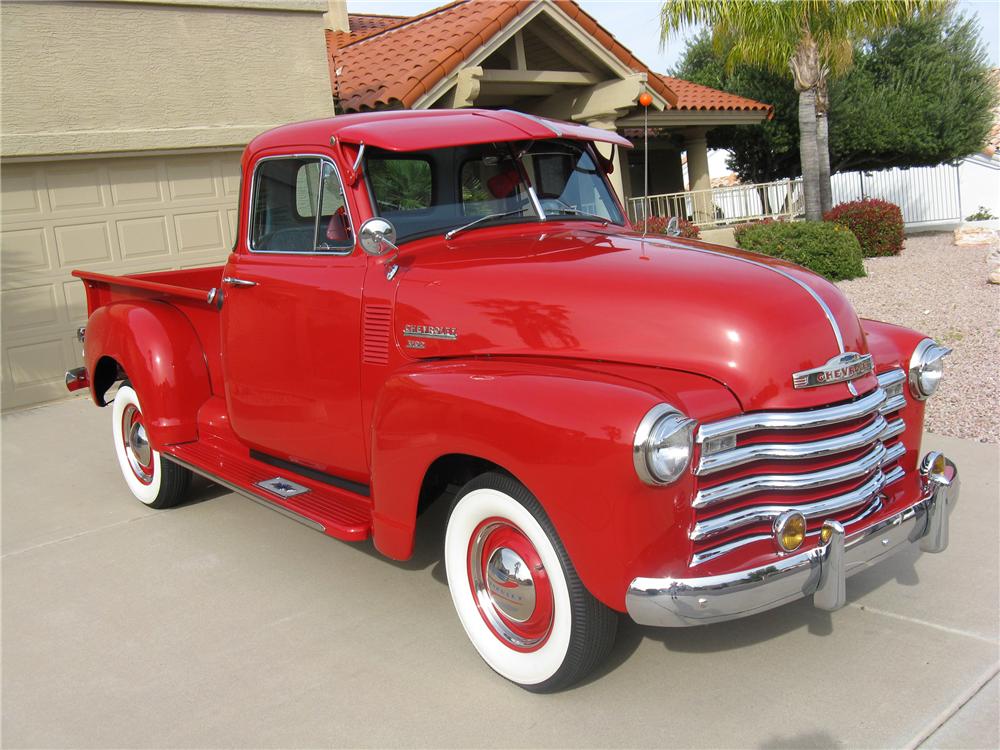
784, 482
875, 469
710, 554
792, 420
816, 449
768, 513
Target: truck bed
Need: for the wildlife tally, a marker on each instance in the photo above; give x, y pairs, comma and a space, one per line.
194, 283
192, 291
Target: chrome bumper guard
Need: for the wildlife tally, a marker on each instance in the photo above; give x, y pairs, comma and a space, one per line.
77, 379
822, 572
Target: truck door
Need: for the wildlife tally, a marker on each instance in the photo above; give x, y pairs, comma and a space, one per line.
291, 320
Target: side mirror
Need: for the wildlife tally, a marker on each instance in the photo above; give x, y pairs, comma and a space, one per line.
673, 227
377, 236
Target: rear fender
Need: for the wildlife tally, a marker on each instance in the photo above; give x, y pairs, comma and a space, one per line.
565, 433
157, 347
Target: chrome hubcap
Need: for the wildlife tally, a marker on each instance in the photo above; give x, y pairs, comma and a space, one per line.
137, 447
138, 443
510, 585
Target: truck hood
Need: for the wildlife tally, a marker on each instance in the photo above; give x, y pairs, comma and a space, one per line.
571, 291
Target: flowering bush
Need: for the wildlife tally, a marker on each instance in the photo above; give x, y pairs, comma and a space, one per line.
878, 225
823, 247
658, 225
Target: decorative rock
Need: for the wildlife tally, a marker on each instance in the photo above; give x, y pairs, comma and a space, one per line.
970, 235
993, 259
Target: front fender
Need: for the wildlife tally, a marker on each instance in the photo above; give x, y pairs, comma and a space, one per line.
566, 433
892, 346
889, 344
160, 352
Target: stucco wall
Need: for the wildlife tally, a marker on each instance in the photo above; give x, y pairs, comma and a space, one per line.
85, 78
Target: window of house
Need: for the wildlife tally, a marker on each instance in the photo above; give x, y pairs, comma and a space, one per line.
298, 206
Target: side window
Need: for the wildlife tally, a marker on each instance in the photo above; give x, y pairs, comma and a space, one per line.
400, 184
298, 206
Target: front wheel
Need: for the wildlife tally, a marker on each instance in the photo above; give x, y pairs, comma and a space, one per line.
516, 591
153, 481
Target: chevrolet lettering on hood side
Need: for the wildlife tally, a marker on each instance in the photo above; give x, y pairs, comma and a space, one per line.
428, 307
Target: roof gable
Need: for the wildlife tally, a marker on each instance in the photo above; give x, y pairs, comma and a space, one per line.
395, 65
388, 62
423, 50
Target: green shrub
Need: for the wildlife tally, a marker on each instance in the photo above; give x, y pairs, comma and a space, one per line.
878, 225
739, 229
828, 249
981, 214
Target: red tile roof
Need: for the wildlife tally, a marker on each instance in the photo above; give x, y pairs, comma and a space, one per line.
391, 61
693, 96
363, 24
396, 64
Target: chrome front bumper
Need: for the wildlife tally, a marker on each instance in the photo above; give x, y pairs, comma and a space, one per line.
822, 572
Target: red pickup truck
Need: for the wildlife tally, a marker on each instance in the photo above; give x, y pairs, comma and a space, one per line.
453, 305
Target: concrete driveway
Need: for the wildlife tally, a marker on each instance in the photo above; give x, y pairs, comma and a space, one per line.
223, 624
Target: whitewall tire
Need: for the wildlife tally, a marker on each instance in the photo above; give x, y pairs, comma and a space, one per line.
155, 482
516, 592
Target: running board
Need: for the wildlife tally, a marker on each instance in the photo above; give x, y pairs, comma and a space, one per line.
319, 506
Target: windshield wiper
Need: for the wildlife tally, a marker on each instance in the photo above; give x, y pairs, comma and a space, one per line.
448, 235
578, 212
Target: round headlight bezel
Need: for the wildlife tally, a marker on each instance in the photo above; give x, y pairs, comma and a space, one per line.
927, 360
663, 427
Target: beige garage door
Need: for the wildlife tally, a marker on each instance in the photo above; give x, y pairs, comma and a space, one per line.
112, 215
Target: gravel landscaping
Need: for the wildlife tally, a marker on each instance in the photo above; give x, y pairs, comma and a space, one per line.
941, 290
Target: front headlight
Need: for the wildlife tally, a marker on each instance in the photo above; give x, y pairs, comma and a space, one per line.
663, 444
926, 368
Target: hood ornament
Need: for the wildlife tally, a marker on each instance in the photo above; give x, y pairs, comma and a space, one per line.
847, 366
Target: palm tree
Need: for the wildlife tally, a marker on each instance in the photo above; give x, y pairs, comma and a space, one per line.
813, 38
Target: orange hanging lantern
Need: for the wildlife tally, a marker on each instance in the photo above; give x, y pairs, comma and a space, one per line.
645, 99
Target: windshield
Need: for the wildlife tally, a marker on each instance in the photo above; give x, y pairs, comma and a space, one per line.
431, 192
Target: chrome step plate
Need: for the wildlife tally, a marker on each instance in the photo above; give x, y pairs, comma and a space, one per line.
282, 487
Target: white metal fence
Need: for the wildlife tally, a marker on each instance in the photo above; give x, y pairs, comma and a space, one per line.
926, 195
726, 205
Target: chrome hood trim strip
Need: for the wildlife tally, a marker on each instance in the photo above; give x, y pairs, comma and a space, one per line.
834, 326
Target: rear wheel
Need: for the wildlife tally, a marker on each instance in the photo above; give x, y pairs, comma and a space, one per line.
154, 481
516, 591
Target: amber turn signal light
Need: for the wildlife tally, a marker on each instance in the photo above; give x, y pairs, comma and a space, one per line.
825, 533
790, 530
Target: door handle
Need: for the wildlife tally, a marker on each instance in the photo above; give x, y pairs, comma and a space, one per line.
233, 281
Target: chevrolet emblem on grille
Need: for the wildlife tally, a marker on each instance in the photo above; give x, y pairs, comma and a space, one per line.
848, 366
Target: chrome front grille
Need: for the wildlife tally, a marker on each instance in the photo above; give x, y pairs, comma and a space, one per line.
830, 462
